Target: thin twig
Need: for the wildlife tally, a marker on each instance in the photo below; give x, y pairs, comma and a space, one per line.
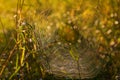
6, 62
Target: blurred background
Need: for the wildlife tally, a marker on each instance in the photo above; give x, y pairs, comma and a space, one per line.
51, 22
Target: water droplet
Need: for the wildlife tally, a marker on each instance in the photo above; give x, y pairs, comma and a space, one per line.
59, 43
48, 27
79, 41
85, 27
103, 26
75, 27
97, 31
23, 23
109, 31
15, 16
30, 40
112, 43
111, 15
115, 14
116, 22
69, 43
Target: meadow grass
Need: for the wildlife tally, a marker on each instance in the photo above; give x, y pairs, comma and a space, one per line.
29, 28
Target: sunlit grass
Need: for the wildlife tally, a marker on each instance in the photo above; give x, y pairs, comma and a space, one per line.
36, 28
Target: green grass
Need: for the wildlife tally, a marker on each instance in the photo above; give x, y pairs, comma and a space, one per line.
24, 27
